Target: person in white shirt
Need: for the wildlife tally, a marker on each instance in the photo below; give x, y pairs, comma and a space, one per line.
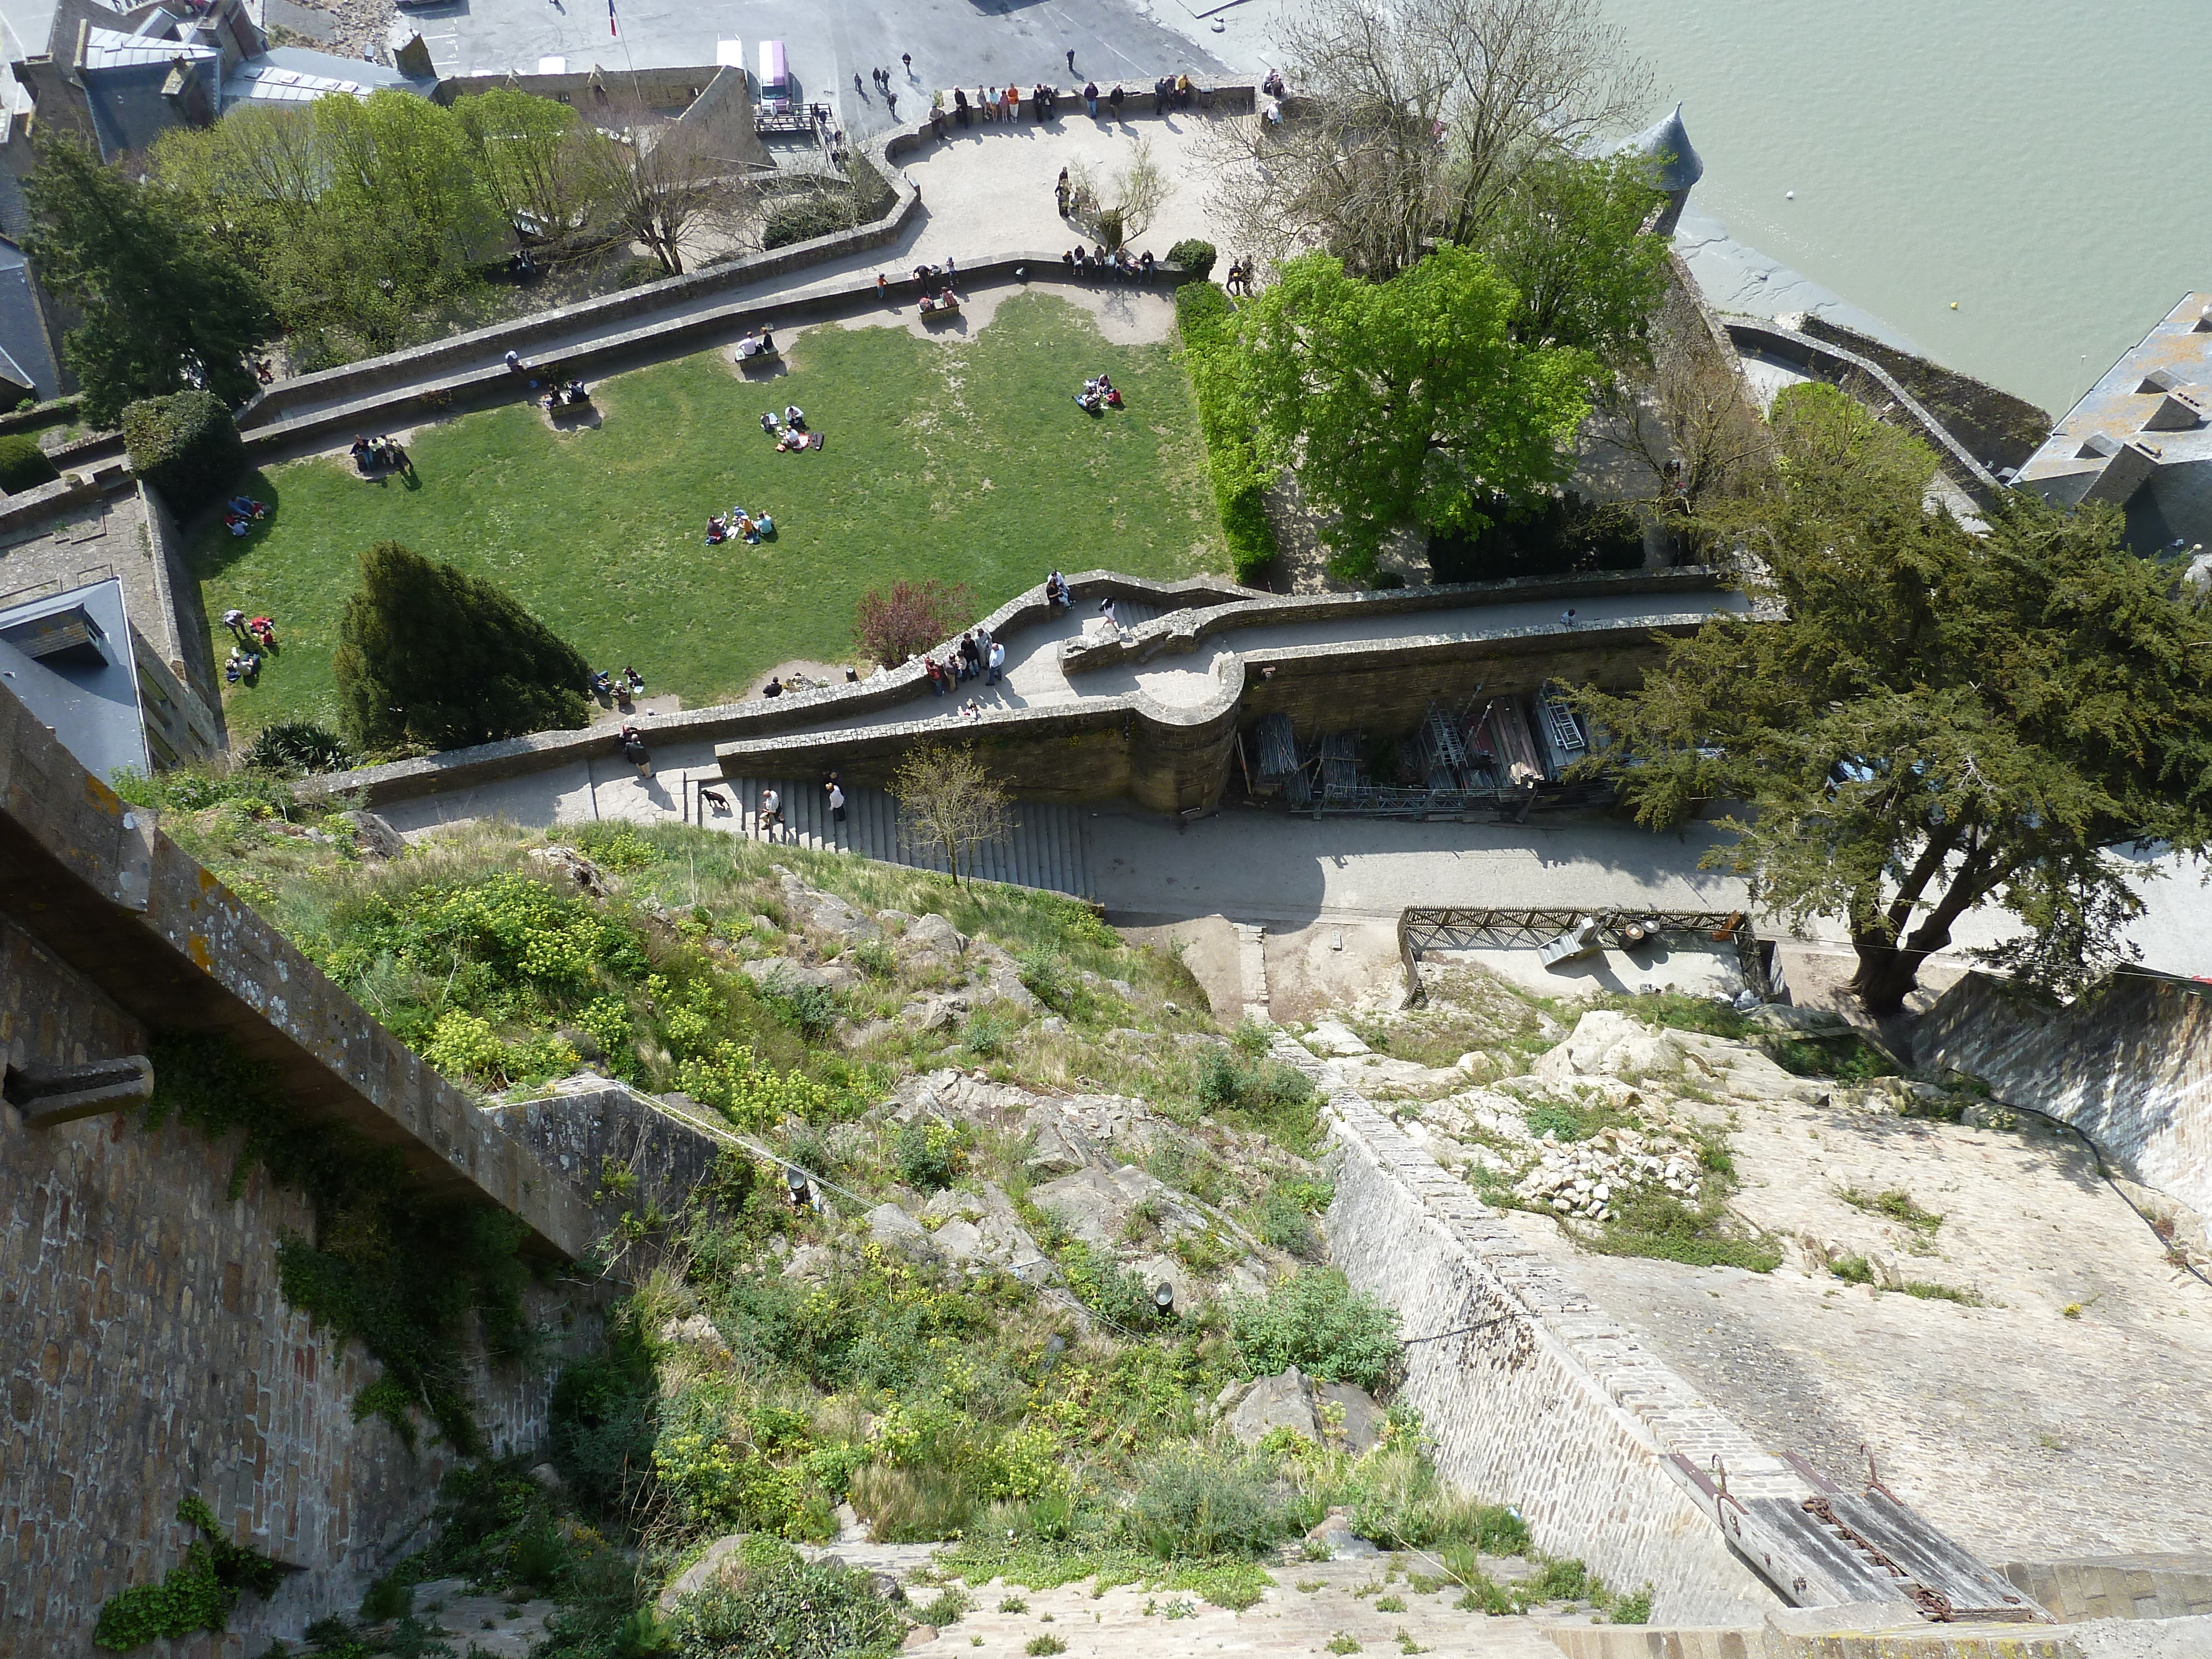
836, 802
998, 662
771, 813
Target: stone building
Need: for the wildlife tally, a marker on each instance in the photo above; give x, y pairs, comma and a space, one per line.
2140, 439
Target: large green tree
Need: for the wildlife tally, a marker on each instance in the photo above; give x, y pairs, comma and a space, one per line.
1568, 234
1936, 719
430, 656
1407, 401
164, 308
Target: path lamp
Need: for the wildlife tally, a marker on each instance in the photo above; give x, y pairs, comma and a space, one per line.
1164, 1300
797, 1179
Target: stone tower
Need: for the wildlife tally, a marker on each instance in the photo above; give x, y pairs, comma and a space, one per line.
1675, 166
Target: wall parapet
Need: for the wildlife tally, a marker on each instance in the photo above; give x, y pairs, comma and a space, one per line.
1534, 1393
96, 881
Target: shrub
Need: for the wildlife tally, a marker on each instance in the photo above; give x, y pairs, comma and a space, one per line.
1315, 1321
1194, 256
771, 1604
889, 628
913, 1505
808, 214
1560, 535
1045, 975
602, 1418
196, 1594
1662, 1227
23, 464
927, 1156
985, 1035
430, 654
1400, 1501
1191, 1502
186, 445
1634, 1609
1283, 1220
809, 1009
1240, 479
292, 747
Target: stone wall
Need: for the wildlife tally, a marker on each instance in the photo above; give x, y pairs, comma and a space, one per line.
149, 1354
2129, 1064
595, 1131
2002, 430
1534, 1395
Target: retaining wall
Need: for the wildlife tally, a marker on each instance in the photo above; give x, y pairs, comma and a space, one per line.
2129, 1064
1532, 1394
149, 1354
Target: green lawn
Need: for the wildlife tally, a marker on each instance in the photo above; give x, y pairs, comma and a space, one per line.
965, 460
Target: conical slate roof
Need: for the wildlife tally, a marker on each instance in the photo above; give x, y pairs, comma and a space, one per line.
1667, 139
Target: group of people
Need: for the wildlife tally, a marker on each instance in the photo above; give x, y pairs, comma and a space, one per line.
1056, 593
996, 103
737, 525
1239, 279
757, 343
935, 282
977, 655
620, 687
790, 431
378, 454
256, 632
573, 395
1098, 394
773, 826
239, 511
1122, 264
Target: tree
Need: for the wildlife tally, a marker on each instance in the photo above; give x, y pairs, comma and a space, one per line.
1690, 424
950, 804
1124, 209
1944, 720
428, 654
668, 183
1568, 234
536, 159
164, 309
914, 615
1410, 121
1406, 401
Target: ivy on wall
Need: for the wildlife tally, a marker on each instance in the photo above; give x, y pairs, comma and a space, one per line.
386, 1266
196, 1594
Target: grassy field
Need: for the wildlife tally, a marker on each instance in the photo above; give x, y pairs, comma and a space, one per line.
965, 460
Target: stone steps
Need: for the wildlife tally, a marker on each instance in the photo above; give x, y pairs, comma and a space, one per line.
1049, 848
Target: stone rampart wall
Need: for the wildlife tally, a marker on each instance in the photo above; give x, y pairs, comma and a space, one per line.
2129, 1065
1532, 1394
149, 1354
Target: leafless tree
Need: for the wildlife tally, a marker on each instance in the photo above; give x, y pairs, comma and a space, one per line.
1131, 202
670, 182
948, 803
1691, 424
1406, 122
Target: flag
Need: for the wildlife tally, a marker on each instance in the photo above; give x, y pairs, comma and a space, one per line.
610, 19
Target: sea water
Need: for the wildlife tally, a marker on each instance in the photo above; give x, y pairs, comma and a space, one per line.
2047, 167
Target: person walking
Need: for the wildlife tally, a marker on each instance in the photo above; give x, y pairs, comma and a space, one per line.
907, 57
235, 621
836, 800
1071, 60
1060, 191
1567, 617
998, 661
771, 814
891, 101
1106, 609
857, 86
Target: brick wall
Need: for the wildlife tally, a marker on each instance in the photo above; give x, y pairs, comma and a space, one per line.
148, 1354
1535, 1395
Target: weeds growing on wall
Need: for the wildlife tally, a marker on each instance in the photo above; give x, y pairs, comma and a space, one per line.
399, 1274
197, 1594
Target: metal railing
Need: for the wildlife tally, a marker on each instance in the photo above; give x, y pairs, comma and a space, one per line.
1422, 928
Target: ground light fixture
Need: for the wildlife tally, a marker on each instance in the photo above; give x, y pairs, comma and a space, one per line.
797, 1178
1164, 1299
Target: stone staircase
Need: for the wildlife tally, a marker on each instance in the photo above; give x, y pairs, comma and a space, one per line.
1049, 848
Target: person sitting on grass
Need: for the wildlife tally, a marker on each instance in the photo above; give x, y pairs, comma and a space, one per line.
632, 679
241, 665
264, 629
717, 531
602, 683
364, 458
770, 425
248, 505
794, 417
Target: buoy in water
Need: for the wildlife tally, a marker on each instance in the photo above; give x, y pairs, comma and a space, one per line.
1955, 305
1788, 195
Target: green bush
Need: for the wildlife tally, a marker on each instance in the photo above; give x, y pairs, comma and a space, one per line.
771, 1604
1240, 478
1191, 1502
430, 654
1663, 1227
1049, 978
186, 445
1315, 1321
23, 464
927, 1156
1194, 256
1401, 1504
291, 747
604, 1418
806, 215
197, 1594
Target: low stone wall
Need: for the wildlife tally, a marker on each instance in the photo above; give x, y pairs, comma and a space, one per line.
616, 1145
512, 758
2129, 1064
1827, 360
1534, 1395
2162, 1586
2004, 430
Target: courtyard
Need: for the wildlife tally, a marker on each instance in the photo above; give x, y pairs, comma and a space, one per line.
960, 456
